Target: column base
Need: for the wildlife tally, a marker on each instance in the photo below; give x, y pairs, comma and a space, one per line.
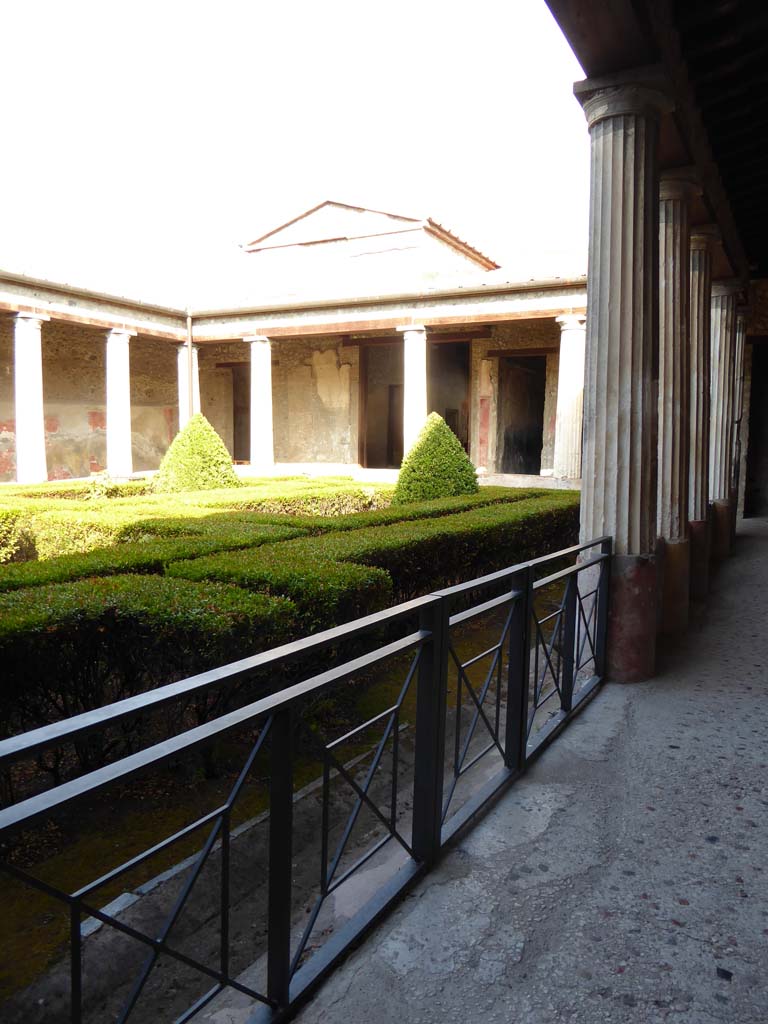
721, 530
734, 515
632, 611
700, 543
675, 587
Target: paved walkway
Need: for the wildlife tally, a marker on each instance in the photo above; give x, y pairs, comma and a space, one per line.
625, 878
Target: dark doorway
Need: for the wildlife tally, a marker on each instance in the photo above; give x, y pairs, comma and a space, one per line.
521, 413
241, 412
756, 484
381, 405
448, 377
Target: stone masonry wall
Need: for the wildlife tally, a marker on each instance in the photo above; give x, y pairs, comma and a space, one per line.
514, 335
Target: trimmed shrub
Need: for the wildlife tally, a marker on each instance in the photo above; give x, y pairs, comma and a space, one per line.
196, 460
324, 592
150, 556
16, 542
67, 649
436, 466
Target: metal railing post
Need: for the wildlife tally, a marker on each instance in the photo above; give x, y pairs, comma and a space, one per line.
280, 858
518, 672
601, 622
568, 643
430, 732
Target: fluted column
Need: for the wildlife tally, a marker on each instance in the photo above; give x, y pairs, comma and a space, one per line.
119, 453
723, 329
675, 192
414, 382
738, 409
262, 430
618, 494
702, 240
189, 397
570, 398
31, 466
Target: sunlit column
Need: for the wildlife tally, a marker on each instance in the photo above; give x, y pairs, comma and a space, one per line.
618, 494
677, 188
570, 397
28, 392
119, 453
186, 362
262, 431
414, 382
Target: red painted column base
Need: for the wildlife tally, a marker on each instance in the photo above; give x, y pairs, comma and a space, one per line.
721, 530
631, 647
675, 587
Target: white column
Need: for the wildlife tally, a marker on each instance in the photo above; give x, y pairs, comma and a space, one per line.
414, 382
702, 239
699, 526
570, 397
119, 454
262, 430
738, 390
721, 410
618, 495
183, 371
28, 392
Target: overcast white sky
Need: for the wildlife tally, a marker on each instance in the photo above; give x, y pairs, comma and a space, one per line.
144, 138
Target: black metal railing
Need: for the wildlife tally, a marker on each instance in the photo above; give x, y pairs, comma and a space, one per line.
485, 713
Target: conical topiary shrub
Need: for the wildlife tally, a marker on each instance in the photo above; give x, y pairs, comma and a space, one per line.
197, 460
436, 466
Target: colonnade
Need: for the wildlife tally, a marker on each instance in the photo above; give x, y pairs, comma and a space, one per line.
664, 352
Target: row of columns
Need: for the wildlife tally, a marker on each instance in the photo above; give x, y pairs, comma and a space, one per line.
661, 366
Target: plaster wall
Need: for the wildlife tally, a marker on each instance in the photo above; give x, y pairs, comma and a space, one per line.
74, 392
516, 335
315, 387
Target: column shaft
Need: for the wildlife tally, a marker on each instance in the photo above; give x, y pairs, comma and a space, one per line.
721, 414
183, 371
414, 383
618, 494
699, 397
31, 464
262, 431
570, 398
674, 386
119, 450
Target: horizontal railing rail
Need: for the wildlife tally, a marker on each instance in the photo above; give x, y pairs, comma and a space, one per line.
482, 714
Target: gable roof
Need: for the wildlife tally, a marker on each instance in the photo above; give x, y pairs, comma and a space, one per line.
330, 221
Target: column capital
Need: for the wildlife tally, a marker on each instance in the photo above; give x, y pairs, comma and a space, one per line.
121, 332
637, 91
679, 183
729, 286
416, 328
40, 317
704, 236
572, 321
182, 346
251, 338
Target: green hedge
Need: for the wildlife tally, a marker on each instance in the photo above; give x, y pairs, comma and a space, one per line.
150, 556
325, 592
69, 648
197, 459
415, 557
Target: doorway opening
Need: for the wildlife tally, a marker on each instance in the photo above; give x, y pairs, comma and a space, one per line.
381, 406
241, 412
448, 377
521, 413
756, 483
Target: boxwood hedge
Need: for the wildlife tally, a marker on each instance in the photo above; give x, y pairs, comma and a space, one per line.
69, 648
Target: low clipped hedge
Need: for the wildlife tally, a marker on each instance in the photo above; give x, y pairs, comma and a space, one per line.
149, 556
324, 592
69, 648
415, 557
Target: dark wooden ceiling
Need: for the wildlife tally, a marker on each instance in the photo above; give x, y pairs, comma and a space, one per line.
724, 47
